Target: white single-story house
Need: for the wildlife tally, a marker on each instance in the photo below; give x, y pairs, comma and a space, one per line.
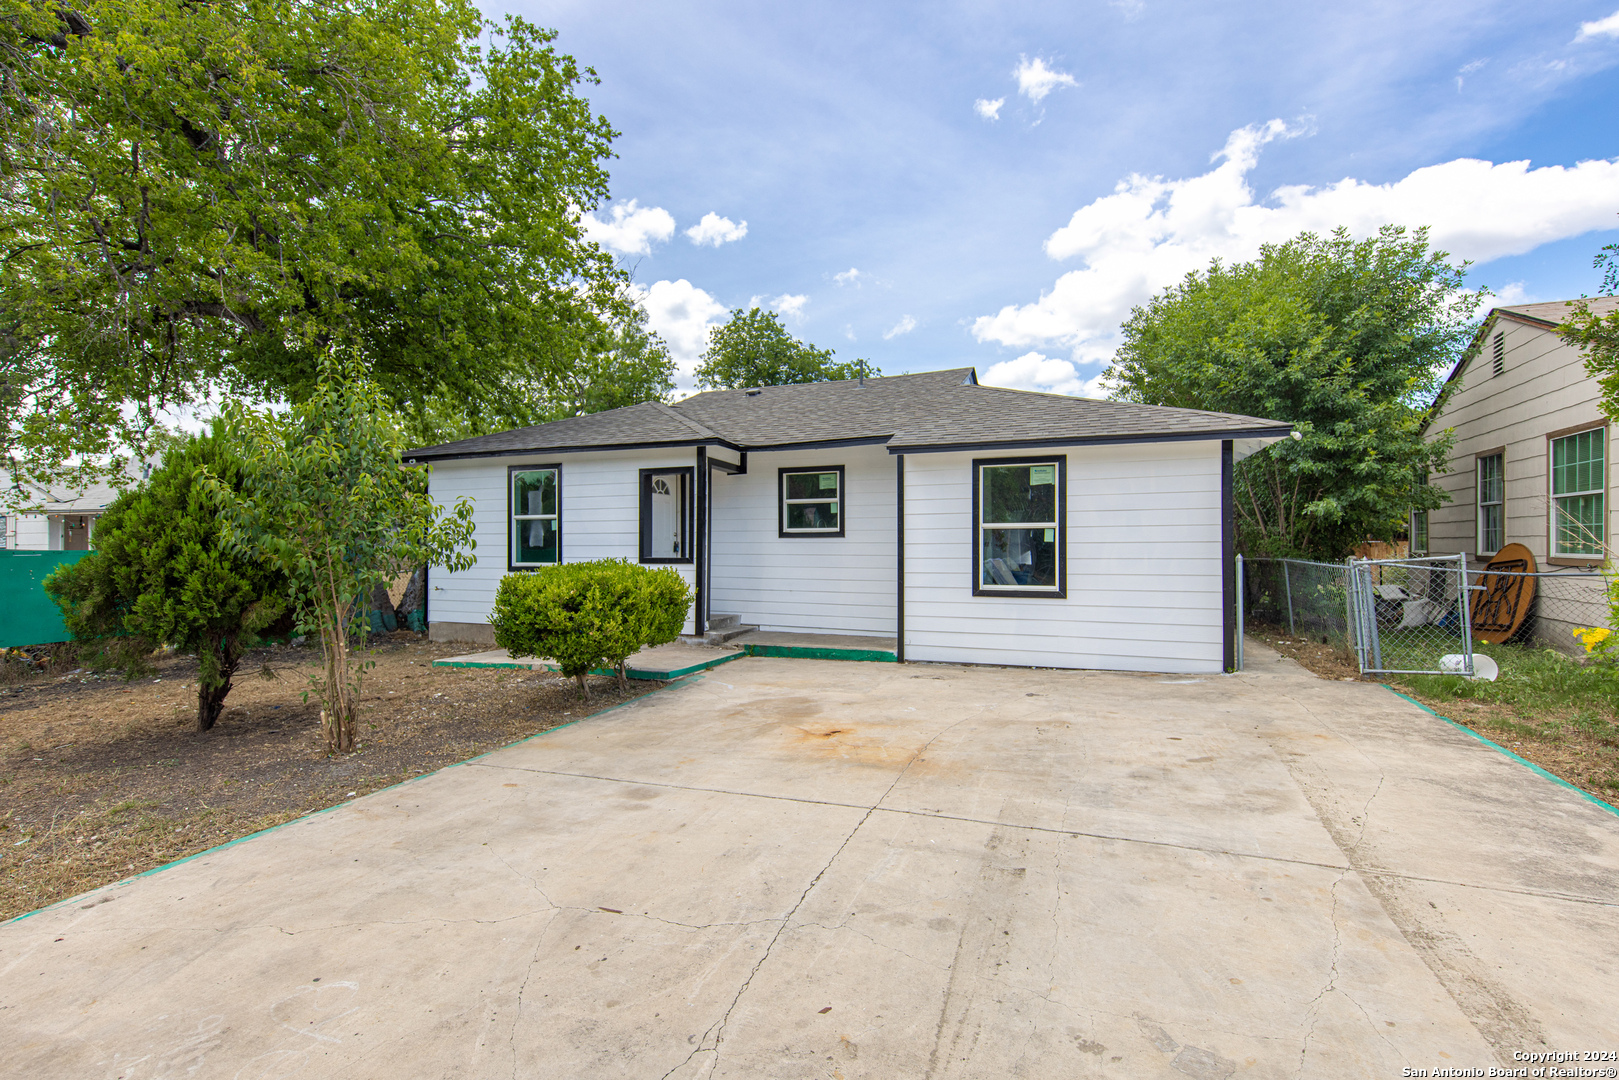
56, 519
967, 523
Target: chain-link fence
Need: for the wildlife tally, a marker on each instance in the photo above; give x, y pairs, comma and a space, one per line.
1406, 615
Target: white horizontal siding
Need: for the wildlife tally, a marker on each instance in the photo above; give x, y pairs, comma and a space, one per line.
601, 512
1144, 566
807, 584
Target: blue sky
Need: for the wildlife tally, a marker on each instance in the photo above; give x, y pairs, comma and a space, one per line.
1132, 141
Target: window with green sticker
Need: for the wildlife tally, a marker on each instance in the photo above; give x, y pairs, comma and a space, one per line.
811, 501
536, 515
1019, 521
1579, 493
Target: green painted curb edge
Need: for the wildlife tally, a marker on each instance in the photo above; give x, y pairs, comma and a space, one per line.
329, 809
805, 652
634, 673
1586, 795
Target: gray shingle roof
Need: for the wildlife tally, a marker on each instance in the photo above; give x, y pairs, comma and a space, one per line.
930, 410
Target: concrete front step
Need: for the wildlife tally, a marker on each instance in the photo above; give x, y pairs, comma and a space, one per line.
721, 635
723, 622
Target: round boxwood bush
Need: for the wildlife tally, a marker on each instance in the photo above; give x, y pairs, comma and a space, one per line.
589, 615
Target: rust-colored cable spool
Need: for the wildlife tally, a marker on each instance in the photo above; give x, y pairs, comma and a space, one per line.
1500, 611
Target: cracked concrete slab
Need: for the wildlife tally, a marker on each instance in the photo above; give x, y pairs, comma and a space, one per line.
794, 868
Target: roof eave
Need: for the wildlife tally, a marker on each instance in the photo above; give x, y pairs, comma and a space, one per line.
1276, 431
418, 457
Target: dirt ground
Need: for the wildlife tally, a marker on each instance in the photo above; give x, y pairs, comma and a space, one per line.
101, 778
1588, 761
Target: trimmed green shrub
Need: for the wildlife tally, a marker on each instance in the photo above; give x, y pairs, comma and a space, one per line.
589, 615
162, 574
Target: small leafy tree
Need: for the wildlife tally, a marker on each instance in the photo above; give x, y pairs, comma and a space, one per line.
1347, 340
163, 573
755, 349
326, 501
589, 615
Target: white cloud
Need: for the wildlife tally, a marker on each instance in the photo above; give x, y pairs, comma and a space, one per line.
1466, 70
1150, 231
989, 110
1035, 80
850, 276
790, 305
905, 325
1130, 9
1512, 293
632, 228
715, 230
1608, 27
682, 314
1048, 374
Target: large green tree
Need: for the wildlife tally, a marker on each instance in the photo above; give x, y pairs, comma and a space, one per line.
161, 573
754, 349
1347, 340
203, 197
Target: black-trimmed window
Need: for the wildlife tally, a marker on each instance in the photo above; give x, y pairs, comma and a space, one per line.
534, 506
810, 501
666, 515
1019, 526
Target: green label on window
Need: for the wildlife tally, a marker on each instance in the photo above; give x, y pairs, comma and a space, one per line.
1042, 474
829, 480
1051, 536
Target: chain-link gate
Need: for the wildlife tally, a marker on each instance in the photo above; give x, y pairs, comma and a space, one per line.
1411, 616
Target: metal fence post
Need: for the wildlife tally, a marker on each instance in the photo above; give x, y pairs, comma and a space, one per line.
1351, 627
1466, 609
1287, 588
1241, 621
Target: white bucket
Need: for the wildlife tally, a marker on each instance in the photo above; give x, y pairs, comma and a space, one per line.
1483, 667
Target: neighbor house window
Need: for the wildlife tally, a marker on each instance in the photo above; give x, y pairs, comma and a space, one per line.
666, 512
1579, 489
536, 514
1419, 520
811, 501
1018, 514
1490, 496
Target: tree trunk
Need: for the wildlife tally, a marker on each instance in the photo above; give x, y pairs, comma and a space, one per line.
623, 678
584, 691
225, 656
210, 703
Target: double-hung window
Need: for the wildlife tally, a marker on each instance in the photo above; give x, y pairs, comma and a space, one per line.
1579, 490
1019, 546
666, 513
1491, 498
811, 501
536, 515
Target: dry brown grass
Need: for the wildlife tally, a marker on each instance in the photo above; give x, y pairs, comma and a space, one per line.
101, 779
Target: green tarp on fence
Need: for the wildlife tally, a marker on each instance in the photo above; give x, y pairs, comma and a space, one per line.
27, 615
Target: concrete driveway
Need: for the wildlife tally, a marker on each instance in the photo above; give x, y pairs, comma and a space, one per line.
792, 868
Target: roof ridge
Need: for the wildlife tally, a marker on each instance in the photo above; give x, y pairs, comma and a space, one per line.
705, 432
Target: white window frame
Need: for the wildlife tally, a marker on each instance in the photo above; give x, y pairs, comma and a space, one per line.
784, 502
515, 521
1059, 591
1555, 537
1500, 502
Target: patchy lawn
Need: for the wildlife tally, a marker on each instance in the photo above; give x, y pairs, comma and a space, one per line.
101, 779
1559, 711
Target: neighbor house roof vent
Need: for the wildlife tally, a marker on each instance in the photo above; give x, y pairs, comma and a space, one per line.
1500, 346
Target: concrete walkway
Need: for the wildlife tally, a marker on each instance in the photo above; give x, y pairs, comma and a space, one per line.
788, 868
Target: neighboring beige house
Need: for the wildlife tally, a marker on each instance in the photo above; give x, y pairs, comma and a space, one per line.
1532, 461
